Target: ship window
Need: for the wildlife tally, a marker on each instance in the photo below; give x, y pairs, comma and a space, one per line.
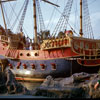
28, 54
76, 45
93, 46
98, 45
81, 45
36, 54
54, 66
86, 46
42, 66
21, 54
33, 66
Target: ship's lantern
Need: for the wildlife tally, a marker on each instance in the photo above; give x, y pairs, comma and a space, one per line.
33, 66
42, 66
18, 65
24, 65
10, 65
53, 66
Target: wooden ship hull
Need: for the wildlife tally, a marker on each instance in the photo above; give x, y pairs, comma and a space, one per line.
59, 57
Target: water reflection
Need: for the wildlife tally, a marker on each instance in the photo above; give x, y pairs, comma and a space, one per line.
31, 85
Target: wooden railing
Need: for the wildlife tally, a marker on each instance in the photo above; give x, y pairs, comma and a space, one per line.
56, 43
3, 38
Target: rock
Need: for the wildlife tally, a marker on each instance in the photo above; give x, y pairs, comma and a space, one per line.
48, 82
79, 84
63, 82
3, 88
92, 92
72, 92
66, 81
10, 85
81, 76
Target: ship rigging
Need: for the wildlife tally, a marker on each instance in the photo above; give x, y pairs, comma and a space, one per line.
58, 54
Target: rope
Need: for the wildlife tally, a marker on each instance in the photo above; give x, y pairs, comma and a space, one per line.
17, 15
67, 22
11, 13
51, 15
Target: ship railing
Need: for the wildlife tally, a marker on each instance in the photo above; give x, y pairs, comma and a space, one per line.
13, 39
91, 53
56, 43
3, 38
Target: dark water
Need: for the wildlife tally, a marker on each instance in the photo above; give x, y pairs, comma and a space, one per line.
20, 96
31, 85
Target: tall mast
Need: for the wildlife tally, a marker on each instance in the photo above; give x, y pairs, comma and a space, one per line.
81, 28
35, 23
3, 15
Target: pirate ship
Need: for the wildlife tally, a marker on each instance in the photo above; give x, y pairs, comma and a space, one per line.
59, 54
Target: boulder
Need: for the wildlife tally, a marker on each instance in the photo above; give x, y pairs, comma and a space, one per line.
92, 92
10, 85
79, 84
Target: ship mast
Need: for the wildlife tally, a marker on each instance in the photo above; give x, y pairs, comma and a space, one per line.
3, 11
81, 27
35, 20
35, 23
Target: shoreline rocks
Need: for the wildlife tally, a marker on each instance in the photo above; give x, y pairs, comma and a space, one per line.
10, 85
79, 85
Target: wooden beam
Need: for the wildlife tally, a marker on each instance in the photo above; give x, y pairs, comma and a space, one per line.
51, 3
6, 1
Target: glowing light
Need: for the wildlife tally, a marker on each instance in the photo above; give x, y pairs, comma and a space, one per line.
32, 54
27, 72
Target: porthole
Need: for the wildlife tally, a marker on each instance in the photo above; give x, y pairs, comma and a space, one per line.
18, 67
28, 54
35, 54
24, 66
42, 66
21, 54
54, 66
33, 66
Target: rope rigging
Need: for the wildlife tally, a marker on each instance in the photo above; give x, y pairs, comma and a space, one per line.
41, 21
19, 28
51, 17
7, 19
11, 13
87, 27
17, 15
63, 21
